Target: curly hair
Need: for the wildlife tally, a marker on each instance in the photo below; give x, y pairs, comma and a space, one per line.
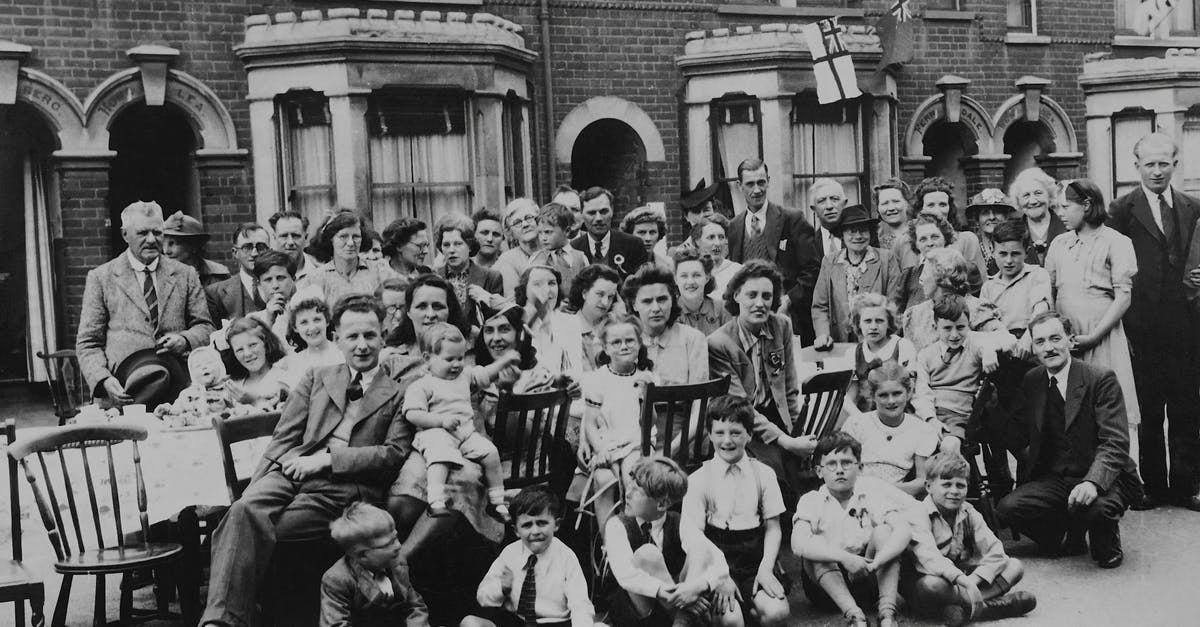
943, 225
869, 299
643, 357
1034, 177
931, 185
308, 304
524, 341
321, 246
522, 296
684, 254
652, 275
587, 278
716, 218
644, 215
253, 326
406, 333
399, 233
891, 183
459, 223
754, 269
950, 270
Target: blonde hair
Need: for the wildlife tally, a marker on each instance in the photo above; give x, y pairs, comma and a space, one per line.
438, 334
140, 208
359, 523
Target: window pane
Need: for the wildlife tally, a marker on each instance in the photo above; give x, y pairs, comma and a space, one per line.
514, 150
826, 142
1020, 14
1189, 160
307, 154
736, 138
1182, 20
420, 156
1127, 130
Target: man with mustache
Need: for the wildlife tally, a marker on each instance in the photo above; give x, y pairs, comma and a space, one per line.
139, 300
1076, 474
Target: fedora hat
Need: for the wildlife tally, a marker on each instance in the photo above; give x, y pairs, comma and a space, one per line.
699, 195
179, 225
991, 198
854, 215
151, 377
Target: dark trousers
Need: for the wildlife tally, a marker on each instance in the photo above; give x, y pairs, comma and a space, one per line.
1168, 389
273, 508
1039, 510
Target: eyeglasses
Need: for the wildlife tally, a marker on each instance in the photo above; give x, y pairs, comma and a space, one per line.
525, 220
257, 247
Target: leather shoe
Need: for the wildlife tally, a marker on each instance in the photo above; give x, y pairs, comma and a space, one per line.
1190, 502
1073, 544
1147, 502
1114, 557
1009, 605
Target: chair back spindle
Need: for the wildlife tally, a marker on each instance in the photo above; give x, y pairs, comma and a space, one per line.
240, 429
679, 412
530, 432
824, 396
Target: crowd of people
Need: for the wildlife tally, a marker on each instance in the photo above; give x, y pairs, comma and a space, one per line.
386, 352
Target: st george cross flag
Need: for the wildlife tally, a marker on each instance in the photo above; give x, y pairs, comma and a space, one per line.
831, 61
895, 28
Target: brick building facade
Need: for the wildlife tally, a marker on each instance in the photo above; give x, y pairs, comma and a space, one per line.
230, 110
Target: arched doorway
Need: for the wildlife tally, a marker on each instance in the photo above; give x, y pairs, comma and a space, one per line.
947, 144
1024, 142
154, 161
610, 153
27, 201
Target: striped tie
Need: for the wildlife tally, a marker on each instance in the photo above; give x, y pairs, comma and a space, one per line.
151, 297
527, 603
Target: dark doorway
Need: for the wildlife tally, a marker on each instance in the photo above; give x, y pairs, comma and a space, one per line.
25, 146
154, 147
948, 144
1024, 142
609, 153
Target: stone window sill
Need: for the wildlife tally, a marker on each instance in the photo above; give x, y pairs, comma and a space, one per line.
1027, 39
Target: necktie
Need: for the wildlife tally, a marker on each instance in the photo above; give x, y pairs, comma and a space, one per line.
1055, 395
755, 228
151, 297
1167, 213
598, 253
355, 391
649, 539
527, 602
259, 303
760, 390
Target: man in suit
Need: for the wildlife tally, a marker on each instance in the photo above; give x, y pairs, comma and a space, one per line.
1076, 475
620, 251
781, 236
238, 295
341, 438
291, 235
139, 300
1161, 327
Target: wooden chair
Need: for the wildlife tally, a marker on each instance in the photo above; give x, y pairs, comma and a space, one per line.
233, 430
68, 390
59, 506
530, 432
824, 396
17, 584
671, 408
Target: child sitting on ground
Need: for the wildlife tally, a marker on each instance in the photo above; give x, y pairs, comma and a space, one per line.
537, 579
439, 404
957, 568
849, 534
895, 444
663, 568
875, 322
955, 364
369, 587
737, 501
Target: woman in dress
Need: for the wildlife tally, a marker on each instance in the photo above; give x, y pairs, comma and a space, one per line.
256, 375
1091, 269
712, 240
340, 241
593, 298
698, 307
858, 268
405, 246
1036, 196
987, 210
892, 206
926, 232
679, 352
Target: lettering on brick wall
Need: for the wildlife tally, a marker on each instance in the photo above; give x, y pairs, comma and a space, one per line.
967, 116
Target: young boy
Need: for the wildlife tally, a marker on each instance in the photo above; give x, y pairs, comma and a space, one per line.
1021, 290
849, 534
954, 364
439, 404
538, 578
663, 568
369, 587
958, 567
737, 502
554, 224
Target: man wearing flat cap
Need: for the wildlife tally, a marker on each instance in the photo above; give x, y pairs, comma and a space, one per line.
183, 240
137, 301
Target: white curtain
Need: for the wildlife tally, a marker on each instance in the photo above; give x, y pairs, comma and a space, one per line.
1189, 160
1126, 131
825, 147
422, 176
311, 169
736, 142
1180, 22
39, 279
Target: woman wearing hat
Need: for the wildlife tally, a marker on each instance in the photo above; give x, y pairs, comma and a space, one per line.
987, 210
183, 240
858, 268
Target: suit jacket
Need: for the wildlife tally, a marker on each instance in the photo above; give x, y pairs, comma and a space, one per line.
229, 299
831, 301
631, 249
1093, 401
486, 278
795, 251
727, 356
379, 443
351, 598
114, 321
1157, 282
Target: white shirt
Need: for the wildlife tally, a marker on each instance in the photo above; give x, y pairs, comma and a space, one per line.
1155, 210
829, 242
562, 592
604, 242
727, 496
760, 215
699, 550
248, 283
140, 267
1061, 378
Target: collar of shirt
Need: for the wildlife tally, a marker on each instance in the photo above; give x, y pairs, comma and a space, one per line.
656, 526
462, 274
663, 340
138, 266
604, 242
948, 353
1061, 378
1152, 198
743, 465
1021, 274
749, 340
843, 256
931, 510
857, 494
887, 349
368, 377
761, 214
247, 282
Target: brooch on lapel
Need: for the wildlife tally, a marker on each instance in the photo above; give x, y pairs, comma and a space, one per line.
619, 259
775, 360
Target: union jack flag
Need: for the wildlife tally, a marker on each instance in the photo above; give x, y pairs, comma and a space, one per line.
901, 11
832, 32
832, 65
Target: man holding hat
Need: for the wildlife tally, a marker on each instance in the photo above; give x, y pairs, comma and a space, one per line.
140, 300
183, 240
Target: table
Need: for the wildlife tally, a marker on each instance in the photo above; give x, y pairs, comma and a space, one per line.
810, 362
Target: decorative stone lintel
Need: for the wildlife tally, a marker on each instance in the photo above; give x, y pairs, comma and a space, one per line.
952, 87
12, 55
211, 158
152, 61
1032, 87
73, 160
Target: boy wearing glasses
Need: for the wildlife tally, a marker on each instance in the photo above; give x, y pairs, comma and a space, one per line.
849, 534
238, 295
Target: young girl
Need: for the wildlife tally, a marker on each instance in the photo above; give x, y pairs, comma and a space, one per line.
258, 374
895, 444
612, 435
309, 333
874, 320
439, 405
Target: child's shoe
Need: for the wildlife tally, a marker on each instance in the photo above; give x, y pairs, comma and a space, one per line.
887, 616
1006, 606
856, 618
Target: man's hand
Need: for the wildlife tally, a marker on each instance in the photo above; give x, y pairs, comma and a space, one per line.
479, 295
1082, 495
304, 467
823, 343
785, 303
767, 582
277, 305
116, 391
803, 445
856, 566
1193, 277
506, 580
172, 342
990, 362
